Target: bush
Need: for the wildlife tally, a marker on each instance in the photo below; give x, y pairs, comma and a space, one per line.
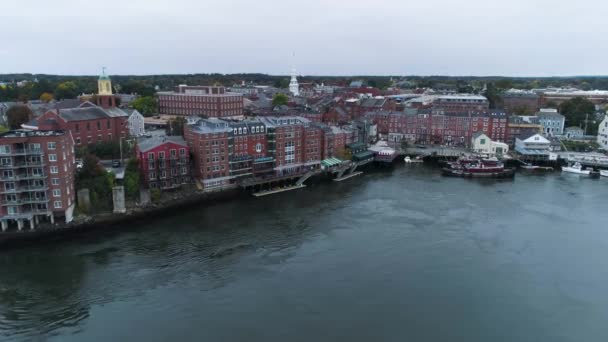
155, 195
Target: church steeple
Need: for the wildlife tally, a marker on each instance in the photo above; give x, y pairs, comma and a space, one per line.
294, 87
104, 84
105, 98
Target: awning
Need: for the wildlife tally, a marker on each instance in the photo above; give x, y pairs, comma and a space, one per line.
331, 162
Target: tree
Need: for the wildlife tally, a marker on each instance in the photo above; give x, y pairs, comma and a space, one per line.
576, 111
17, 115
132, 179
46, 97
280, 99
492, 95
146, 105
66, 90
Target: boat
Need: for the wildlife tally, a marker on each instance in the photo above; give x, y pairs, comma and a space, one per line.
604, 173
536, 169
478, 168
576, 168
409, 160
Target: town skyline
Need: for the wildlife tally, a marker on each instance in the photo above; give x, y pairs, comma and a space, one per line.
515, 39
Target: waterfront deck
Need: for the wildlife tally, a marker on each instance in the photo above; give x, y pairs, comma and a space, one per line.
276, 191
350, 175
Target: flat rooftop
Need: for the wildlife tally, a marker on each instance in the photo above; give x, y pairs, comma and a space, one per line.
25, 133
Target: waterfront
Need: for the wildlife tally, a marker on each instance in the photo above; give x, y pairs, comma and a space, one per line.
401, 254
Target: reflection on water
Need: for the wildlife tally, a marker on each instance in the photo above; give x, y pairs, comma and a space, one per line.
484, 260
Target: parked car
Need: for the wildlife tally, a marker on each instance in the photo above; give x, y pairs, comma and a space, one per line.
79, 164
116, 163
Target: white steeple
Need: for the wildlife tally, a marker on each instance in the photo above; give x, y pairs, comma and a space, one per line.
294, 87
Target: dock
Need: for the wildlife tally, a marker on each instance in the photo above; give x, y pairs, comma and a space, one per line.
276, 191
350, 175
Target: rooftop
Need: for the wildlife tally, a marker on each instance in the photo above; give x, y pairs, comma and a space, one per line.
148, 143
22, 133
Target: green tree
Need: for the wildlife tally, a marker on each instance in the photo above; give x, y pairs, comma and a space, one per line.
492, 94
280, 99
576, 111
146, 105
132, 177
17, 115
66, 90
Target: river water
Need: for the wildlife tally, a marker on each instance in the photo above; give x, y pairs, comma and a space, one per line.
396, 255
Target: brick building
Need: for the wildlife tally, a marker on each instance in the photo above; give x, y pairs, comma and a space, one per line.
88, 123
224, 151
37, 180
520, 102
461, 103
209, 101
164, 161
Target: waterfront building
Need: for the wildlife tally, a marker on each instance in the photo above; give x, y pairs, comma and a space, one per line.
481, 143
88, 123
552, 121
602, 133
534, 148
209, 101
574, 132
135, 123
164, 161
37, 180
225, 151
520, 101
520, 127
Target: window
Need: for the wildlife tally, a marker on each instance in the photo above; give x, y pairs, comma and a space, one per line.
52, 157
56, 193
11, 198
55, 181
89, 140
98, 125
12, 210
77, 141
88, 126
184, 170
163, 174
182, 151
161, 155
5, 149
77, 128
108, 124
54, 169
6, 161
9, 186
57, 204
173, 153
50, 145
152, 175
7, 174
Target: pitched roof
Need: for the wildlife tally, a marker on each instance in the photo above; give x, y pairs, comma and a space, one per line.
478, 134
89, 111
146, 144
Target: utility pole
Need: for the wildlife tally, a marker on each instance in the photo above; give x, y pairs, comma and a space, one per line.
586, 119
120, 144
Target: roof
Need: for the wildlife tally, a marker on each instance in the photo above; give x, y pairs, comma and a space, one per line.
550, 115
478, 134
146, 144
89, 111
573, 128
20, 133
531, 152
331, 162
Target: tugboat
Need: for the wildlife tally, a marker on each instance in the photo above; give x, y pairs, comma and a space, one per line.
478, 168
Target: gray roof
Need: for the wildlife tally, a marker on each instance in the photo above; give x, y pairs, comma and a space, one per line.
550, 115
89, 111
146, 144
478, 134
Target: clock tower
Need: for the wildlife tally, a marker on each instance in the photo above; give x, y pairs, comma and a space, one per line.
105, 98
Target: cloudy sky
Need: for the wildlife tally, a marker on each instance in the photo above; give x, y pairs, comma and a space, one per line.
328, 37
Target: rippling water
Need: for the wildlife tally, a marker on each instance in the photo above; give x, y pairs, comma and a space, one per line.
394, 255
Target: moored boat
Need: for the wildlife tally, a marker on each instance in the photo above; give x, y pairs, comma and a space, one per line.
478, 168
576, 168
604, 173
536, 169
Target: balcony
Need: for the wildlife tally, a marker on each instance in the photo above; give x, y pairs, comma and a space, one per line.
20, 165
23, 152
20, 177
21, 201
26, 188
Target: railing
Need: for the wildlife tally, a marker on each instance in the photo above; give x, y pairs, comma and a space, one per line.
19, 177
20, 189
22, 152
21, 201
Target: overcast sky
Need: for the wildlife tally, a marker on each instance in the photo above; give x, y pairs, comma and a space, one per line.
328, 37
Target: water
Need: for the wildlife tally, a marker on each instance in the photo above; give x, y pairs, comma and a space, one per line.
402, 255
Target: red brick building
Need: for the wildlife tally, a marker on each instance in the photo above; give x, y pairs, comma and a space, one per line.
164, 161
209, 101
520, 102
37, 179
461, 103
88, 123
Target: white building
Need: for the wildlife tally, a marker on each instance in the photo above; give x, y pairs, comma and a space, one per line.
602, 133
135, 122
294, 87
481, 143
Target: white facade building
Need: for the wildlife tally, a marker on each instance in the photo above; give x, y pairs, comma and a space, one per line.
481, 143
602, 133
135, 123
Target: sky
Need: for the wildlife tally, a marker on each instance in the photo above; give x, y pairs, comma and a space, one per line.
318, 37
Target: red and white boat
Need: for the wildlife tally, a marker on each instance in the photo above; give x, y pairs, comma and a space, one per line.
478, 168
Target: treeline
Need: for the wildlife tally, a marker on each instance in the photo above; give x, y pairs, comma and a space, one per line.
60, 87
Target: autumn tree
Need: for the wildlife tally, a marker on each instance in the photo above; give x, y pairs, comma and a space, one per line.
66, 90
46, 97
